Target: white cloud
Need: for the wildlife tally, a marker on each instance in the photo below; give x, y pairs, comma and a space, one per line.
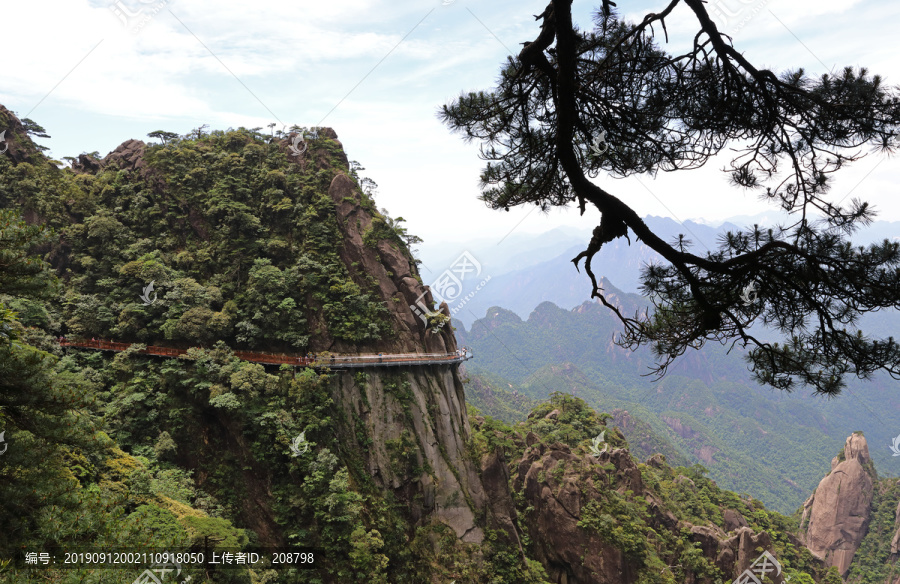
302, 59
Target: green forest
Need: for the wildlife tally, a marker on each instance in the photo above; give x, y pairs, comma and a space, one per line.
709, 394
242, 242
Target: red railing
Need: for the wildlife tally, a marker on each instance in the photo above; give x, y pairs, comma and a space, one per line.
337, 361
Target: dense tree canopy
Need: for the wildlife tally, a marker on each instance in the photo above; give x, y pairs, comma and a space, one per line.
666, 112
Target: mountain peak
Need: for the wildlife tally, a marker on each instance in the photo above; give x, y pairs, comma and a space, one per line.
855, 448
836, 516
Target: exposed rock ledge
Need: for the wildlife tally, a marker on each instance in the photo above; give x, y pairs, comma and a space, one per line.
836, 516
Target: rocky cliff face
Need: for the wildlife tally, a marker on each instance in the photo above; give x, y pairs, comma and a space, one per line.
559, 484
836, 516
393, 271
15, 143
895, 542
420, 411
585, 514
416, 423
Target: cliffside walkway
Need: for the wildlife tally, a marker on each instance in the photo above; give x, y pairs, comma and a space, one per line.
332, 362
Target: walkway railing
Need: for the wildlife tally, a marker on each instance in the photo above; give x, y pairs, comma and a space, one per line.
392, 360
319, 362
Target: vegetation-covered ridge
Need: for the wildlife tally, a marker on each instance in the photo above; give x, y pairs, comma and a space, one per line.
247, 246
776, 446
238, 236
586, 509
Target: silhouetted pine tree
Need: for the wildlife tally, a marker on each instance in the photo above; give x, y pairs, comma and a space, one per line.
574, 103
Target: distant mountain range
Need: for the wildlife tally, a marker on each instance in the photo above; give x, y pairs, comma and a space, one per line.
773, 445
526, 270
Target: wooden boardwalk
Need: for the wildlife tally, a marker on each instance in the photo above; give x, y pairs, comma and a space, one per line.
331, 362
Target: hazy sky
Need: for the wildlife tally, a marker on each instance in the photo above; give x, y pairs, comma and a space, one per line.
377, 71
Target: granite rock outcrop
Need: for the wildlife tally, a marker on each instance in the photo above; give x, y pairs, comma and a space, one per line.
835, 518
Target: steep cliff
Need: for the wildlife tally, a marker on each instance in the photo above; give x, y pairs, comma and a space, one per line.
390, 265
591, 514
426, 408
835, 518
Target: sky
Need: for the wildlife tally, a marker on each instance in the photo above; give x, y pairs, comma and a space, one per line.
97, 73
